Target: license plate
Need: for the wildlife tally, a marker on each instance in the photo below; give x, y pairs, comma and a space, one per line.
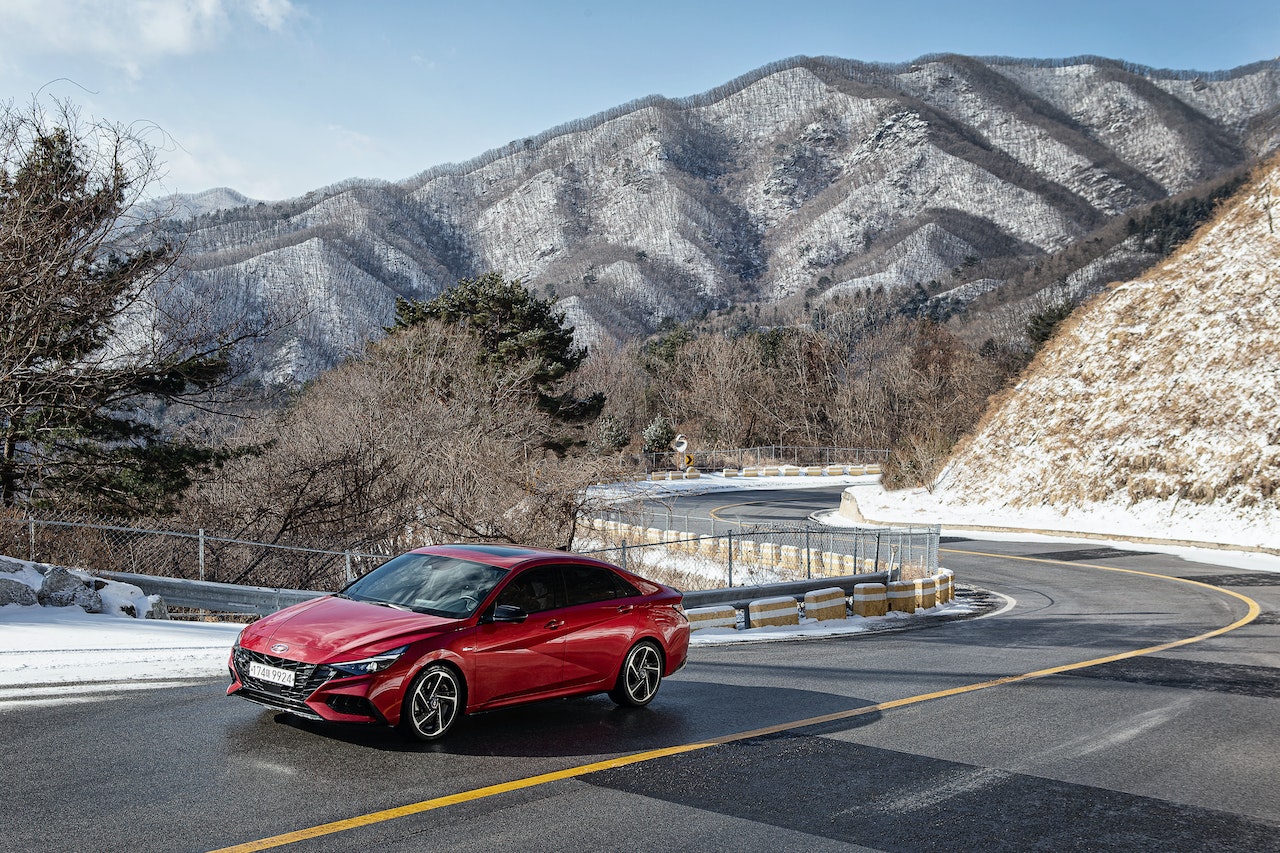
275, 675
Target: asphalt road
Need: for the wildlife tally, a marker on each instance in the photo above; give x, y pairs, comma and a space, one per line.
1170, 750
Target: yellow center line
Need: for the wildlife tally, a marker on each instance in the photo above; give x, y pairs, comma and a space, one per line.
713, 512
650, 755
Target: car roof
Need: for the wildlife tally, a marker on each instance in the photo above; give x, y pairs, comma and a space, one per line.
505, 556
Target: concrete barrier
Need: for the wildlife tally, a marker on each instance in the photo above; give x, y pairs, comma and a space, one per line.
789, 470
789, 557
768, 472
946, 586
926, 592
812, 471
834, 470
750, 472
773, 611
870, 599
903, 596
692, 474
825, 605
769, 553
712, 617
730, 472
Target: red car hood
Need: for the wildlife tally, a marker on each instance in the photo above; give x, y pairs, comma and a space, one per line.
329, 629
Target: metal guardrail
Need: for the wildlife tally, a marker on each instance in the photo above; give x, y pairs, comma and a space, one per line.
218, 597
233, 598
741, 596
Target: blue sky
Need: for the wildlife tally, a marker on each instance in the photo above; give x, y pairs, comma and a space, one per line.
277, 97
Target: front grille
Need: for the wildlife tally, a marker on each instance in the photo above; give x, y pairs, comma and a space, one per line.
307, 678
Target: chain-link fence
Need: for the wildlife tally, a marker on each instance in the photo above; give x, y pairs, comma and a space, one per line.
762, 457
197, 556
673, 552
755, 554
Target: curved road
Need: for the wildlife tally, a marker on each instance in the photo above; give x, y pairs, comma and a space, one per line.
983, 733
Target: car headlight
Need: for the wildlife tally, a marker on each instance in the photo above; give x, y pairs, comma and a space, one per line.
366, 666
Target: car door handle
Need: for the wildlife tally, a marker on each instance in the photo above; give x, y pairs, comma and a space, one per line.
626, 608
553, 624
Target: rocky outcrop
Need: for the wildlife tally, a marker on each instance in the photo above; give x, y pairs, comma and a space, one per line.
16, 592
61, 588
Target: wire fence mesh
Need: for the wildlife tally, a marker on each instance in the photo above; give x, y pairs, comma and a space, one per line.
756, 554
765, 456
670, 548
195, 556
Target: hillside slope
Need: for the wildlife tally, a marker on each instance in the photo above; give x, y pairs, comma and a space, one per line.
1158, 401
805, 180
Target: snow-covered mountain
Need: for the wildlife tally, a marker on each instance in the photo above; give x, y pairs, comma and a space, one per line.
809, 178
1159, 400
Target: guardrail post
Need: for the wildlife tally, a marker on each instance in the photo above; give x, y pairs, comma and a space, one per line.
200, 554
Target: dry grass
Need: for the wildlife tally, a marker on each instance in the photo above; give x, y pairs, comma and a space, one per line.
1160, 389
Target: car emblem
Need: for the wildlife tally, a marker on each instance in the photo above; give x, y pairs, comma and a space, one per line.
280, 648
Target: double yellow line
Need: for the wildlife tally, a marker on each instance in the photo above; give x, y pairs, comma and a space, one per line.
640, 757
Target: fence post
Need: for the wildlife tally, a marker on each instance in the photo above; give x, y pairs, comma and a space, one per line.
31, 540
347, 568
624, 555
730, 537
877, 566
808, 556
200, 555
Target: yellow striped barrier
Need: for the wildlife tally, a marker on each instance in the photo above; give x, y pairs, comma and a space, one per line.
773, 611
825, 605
711, 617
870, 599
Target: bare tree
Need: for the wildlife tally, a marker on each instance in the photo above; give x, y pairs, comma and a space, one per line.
422, 440
91, 347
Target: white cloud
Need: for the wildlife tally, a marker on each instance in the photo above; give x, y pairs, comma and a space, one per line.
197, 161
352, 141
130, 33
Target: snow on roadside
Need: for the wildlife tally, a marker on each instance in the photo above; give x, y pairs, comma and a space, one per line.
1118, 525
65, 645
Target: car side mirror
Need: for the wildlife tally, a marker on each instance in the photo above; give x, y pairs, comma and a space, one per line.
509, 613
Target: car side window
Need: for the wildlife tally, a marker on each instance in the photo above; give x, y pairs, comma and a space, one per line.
586, 584
534, 590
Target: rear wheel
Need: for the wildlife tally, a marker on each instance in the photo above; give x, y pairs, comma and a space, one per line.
640, 676
432, 704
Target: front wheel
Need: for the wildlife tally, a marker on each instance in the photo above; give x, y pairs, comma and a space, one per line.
640, 676
432, 704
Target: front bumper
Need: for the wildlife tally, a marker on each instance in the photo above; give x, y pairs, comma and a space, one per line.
319, 692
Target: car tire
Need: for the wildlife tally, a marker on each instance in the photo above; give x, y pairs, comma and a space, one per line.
433, 703
640, 677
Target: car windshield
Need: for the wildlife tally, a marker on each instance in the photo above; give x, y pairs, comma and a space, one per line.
427, 583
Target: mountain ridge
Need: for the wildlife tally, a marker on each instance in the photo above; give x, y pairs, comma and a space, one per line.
811, 178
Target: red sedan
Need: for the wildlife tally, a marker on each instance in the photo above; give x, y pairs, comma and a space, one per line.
455, 629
